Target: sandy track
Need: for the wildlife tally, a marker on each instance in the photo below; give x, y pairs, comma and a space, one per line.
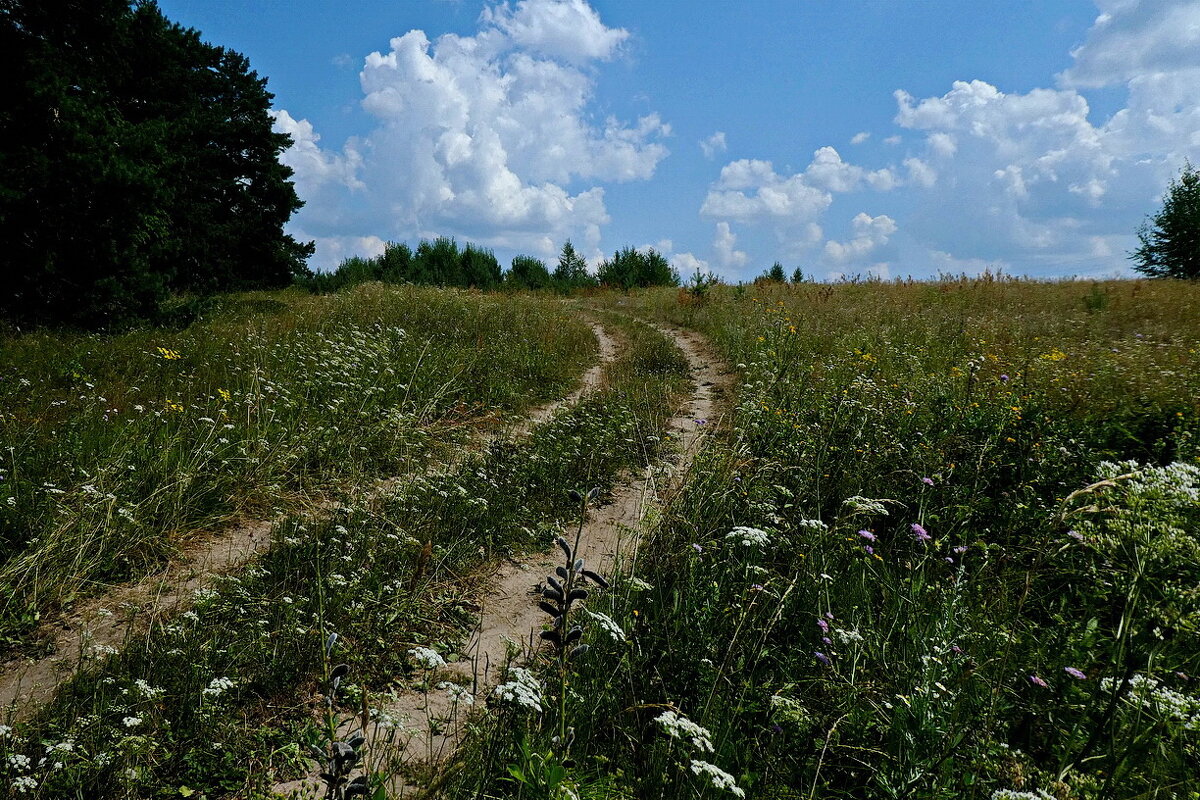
111, 620
508, 613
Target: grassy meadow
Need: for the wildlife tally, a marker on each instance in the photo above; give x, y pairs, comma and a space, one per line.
946, 548
219, 702
943, 544
116, 446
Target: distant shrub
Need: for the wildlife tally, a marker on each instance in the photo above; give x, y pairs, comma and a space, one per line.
629, 268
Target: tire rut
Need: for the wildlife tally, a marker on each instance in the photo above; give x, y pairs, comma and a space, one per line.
508, 614
106, 623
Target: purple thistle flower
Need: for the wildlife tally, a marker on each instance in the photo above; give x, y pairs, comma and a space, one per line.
1036, 681
697, 548
1077, 674
826, 640
870, 537
822, 624
920, 532
1004, 379
960, 549
870, 550
828, 615
824, 659
927, 481
949, 560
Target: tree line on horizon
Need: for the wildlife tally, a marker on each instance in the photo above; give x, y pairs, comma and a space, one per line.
442, 263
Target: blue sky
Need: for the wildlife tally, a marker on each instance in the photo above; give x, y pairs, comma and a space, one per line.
889, 138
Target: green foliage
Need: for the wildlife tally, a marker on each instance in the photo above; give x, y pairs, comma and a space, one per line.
435, 263
217, 674
1170, 240
1028, 637
571, 272
528, 272
113, 443
798, 275
137, 161
629, 268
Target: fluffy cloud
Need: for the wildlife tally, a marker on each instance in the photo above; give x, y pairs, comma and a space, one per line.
1030, 178
751, 191
1131, 40
998, 178
569, 30
724, 246
870, 234
481, 136
713, 144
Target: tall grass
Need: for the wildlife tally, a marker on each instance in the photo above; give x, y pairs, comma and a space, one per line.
217, 702
948, 548
113, 448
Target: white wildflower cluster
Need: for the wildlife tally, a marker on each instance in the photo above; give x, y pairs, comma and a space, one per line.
427, 658
608, 625
24, 784
523, 689
719, 777
146, 690
19, 761
1152, 696
789, 709
1178, 482
458, 694
680, 727
749, 537
813, 525
843, 636
1010, 794
864, 505
388, 720
131, 722
218, 687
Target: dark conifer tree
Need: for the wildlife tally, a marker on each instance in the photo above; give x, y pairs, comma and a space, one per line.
135, 160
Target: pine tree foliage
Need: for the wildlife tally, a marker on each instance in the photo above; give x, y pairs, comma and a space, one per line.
629, 268
572, 271
1170, 240
136, 160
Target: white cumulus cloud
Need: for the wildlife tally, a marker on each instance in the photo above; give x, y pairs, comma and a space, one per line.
725, 248
713, 144
870, 233
1131, 40
482, 136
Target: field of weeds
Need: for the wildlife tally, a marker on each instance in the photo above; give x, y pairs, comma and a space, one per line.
941, 543
947, 547
114, 447
229, 697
